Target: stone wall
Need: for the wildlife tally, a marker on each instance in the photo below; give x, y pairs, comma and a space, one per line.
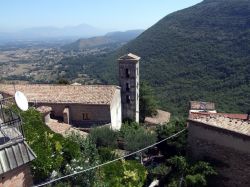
98, 114
19, 177
198, 105
230, 153
129, 110
115, 108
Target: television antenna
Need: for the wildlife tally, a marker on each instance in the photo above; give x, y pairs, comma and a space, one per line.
21, 101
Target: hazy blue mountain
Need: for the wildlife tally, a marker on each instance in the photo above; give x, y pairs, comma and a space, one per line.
110, 38
36, 33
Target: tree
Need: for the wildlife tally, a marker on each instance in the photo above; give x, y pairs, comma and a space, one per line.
124, 173
63, 81
136, 137
88, 157
104, 137
148, 103
52, 150
174, 146
194, 175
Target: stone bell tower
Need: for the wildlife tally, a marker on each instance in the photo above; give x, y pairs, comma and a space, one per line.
129, 83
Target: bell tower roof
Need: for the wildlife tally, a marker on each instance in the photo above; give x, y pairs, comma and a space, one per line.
129, 56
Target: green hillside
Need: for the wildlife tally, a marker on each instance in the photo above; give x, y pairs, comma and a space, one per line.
199, 53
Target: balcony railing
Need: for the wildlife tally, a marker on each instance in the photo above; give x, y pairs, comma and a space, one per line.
10, 123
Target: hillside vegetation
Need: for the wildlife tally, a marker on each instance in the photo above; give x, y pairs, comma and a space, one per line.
199, 53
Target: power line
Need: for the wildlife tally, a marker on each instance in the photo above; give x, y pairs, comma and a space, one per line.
111, 161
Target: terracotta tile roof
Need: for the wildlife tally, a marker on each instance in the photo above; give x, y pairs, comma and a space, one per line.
160, 118
233, 122
47, 93
232, 116
44, 109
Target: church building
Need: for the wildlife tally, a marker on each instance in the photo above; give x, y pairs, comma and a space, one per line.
87, 106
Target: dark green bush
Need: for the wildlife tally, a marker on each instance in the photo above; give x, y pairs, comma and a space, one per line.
106, 154
174, 146
104, 137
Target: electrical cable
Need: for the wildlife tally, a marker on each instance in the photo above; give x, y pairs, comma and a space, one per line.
111, 161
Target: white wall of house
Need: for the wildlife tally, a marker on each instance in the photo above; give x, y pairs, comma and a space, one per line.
115, 110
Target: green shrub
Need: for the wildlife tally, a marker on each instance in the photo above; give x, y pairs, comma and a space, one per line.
104, 137
106, 154
174, 146
127, 128
88, 157
52, 150
124, 173
46, 145
148, 102
136, 139
159, 171
195, 174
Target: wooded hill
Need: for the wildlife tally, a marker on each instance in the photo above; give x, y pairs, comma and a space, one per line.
199, 53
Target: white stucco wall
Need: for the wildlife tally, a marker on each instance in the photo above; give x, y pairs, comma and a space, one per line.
115, 111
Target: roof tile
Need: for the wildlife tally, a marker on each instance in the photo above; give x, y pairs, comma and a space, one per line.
48, 93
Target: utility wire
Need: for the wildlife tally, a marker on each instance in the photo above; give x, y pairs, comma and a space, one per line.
111, 161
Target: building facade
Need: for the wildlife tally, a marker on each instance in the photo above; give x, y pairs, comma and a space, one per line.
224, 140
81, 105
129, 83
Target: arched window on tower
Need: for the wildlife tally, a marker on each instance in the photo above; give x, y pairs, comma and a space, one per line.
127, 73
128, 99
127, 87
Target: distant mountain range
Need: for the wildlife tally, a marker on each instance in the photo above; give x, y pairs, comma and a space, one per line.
108, 39
199, 53
38, 33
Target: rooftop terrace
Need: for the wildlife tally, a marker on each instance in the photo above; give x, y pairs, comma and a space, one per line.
238, 123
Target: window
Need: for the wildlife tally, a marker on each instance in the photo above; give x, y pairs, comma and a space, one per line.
85, 116
127, 87
52, 114
128, 99
127, 73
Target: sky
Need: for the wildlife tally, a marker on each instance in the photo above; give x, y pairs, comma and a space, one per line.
104, 14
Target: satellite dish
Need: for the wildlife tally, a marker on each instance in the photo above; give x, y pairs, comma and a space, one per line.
21, 101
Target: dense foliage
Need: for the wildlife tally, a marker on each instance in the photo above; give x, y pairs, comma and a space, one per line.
52, 150
124, 173
104, 137
199, 53
136, 139
186, 174
174, 146
88, 157
147, 102
58, 156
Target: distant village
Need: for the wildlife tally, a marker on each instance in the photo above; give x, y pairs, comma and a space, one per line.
219, 137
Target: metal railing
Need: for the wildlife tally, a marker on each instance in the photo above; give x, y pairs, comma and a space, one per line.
11, 128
